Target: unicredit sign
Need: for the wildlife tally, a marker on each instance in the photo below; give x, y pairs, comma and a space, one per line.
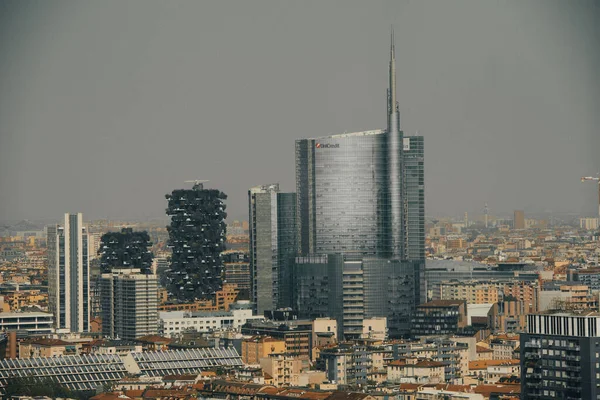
327, 146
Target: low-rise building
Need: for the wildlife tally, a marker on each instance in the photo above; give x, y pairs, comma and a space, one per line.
32, 322
173, 323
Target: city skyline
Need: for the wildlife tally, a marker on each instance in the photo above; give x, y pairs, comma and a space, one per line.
508, 113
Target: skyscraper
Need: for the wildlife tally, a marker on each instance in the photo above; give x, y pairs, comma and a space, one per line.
519, 219
197, 238
69, 274
361, 195
129, 300
272, 246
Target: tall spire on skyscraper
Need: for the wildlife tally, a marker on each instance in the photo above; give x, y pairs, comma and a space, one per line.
392, 76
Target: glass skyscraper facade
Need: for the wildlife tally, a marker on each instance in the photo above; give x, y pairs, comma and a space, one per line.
360, 196
272, 217
341, 186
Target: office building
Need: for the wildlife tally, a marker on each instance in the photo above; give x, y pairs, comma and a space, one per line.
126, 249
559, 356
519, 219
129, 301
197, 238
272, 246
352, 289
69, 274
439, 317
362, 213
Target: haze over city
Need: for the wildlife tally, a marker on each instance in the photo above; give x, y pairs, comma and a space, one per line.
107, 106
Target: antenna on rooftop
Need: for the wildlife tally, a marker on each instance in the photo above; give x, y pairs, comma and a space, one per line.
198, 183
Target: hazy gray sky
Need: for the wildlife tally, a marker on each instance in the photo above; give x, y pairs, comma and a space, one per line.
105, 106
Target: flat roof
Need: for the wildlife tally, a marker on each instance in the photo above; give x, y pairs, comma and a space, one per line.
344, 135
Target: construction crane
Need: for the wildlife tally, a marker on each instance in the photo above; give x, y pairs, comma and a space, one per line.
594, 179
198, 183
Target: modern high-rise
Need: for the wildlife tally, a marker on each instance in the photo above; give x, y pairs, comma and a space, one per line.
129, 301
351, 289
414, 175
361, 195
197, 238
560, 356
69, 274
519, 219
272, 217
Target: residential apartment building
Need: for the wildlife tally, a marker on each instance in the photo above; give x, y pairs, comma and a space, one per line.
560, 356
129, 303
69, 274
258, 347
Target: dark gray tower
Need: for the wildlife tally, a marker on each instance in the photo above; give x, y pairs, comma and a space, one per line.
394, 164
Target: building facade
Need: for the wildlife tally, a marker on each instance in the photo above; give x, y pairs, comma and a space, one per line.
129, 302
439, 317
272, 246
560, 356
197, 238
351, 289
69, 274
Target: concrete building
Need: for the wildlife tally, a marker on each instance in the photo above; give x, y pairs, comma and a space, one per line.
174, 323
415, 371
32, 322
272, 246
439, 317
474, 292
283, 369
129, 302
69, 274
559, 356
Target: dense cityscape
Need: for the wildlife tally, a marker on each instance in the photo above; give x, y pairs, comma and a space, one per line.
343, 289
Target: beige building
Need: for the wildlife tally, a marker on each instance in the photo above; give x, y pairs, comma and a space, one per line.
258, 347
374, 328
412, 370
48, 348
282, 369
471, 292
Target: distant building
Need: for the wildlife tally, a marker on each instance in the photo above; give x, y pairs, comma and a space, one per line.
272, 246
559, 356
519, 219
129, 300
439, 317
197, 237
589, 224
69, 274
